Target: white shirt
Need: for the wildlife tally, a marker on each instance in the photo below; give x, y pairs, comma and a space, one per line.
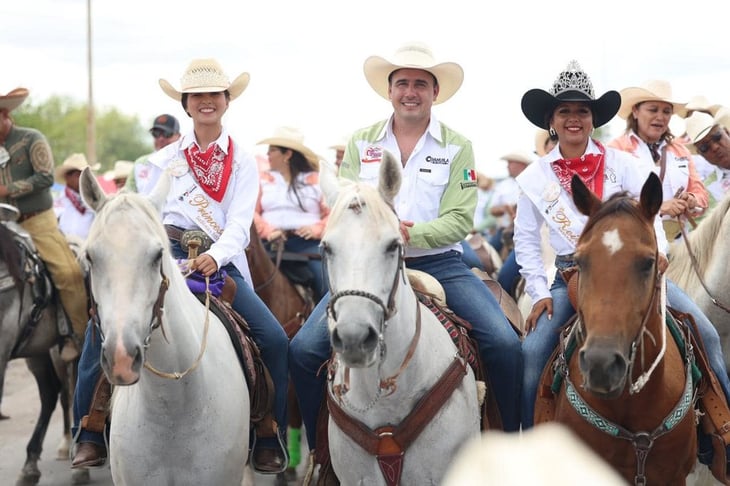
280, 207
621, 173
507, 192
237, 205
70, 219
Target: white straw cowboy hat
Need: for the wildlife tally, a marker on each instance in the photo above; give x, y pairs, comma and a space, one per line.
13, 99
413, 55
292, 138
122, 169
541, 139
73, 162
700, 103
206, 76
655, 90
700, 124
518, 156
572, 84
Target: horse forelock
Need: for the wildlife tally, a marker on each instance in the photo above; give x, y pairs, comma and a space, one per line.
358, 197
703, 241
123, 209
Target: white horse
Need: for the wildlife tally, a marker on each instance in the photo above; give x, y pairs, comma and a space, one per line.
709, 244
185, 420
390, 350
549, 454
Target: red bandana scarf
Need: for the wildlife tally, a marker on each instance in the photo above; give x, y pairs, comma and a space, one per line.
212, 168
588, 167
75, 199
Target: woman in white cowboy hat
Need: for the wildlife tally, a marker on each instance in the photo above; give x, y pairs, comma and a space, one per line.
291, 208
647, 111
211, 173
572, 111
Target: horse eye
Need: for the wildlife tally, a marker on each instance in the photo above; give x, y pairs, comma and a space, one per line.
393, 246
646, 265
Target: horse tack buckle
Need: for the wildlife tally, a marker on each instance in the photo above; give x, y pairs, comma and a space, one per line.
390, 456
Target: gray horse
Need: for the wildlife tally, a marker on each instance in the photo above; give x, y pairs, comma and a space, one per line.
29, 314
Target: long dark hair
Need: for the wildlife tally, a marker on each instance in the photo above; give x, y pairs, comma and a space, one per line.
297, 164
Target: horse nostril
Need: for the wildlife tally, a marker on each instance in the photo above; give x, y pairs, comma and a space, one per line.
336, 341
371, 340
138, 360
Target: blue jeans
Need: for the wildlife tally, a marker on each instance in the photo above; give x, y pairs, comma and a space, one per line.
89, 371
509, 274
265, 329
470, 256
467, 296
296, 244
496, 240
540, 343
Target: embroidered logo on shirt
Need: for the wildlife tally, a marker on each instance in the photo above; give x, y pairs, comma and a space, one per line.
470, 178
373, 153
437, 160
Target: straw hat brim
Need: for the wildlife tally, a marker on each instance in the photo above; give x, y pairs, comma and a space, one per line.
630, 97
538, 104
449, 75
234, 89
311, 157
13, 99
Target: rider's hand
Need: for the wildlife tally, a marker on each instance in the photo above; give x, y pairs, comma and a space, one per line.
205, 264
404, 225
276, 235
542, 305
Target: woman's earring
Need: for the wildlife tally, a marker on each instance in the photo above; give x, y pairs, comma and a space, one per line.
553, 134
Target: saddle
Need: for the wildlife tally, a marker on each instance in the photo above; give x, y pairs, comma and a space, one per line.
714, 416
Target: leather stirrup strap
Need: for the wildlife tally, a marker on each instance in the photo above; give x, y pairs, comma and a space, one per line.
95, 421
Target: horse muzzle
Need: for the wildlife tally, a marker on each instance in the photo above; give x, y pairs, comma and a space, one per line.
604, 369
122, 365
356, 343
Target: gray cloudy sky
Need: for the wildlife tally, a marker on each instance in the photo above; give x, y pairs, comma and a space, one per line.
305, 58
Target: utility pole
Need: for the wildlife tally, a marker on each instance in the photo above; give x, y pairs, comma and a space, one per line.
90, 120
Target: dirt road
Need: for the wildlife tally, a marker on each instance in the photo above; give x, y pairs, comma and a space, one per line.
21, 403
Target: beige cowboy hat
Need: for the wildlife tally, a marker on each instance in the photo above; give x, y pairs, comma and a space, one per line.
541, 139
13, 99
518, 156
73, 162
654, 90
292, 138
206, 76
413, 55
122, 169
700, 103
699, 124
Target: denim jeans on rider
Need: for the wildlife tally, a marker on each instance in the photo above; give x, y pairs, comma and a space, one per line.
466, 295
509, 274
267, 333
296, 244
88, 372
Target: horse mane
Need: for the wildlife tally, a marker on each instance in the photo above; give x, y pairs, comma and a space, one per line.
355, 197
619, 203
10, 254
702, 240
128, 202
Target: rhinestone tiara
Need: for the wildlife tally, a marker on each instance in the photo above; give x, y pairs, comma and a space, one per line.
573, 79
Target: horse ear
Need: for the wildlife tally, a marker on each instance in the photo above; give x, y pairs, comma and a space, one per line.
390, 177
329, 182
586, 202
158, 194
91, 191
651, 196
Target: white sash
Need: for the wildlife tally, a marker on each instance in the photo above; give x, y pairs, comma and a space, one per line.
555, 205
201, 208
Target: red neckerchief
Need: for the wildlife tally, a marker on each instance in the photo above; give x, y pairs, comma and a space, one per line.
212, 168
75, 199
588, 167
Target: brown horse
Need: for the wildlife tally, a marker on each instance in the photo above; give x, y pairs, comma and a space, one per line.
635, 403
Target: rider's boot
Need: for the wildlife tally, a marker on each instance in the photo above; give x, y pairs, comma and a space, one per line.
92, 453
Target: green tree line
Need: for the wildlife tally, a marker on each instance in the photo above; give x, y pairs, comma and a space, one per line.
64, 121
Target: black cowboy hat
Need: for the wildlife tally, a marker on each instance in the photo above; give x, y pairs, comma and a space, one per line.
572, 85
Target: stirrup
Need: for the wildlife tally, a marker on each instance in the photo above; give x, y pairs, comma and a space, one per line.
280, 446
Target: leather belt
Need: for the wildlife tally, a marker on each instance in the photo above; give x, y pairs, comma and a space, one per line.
27, 216
173, 232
